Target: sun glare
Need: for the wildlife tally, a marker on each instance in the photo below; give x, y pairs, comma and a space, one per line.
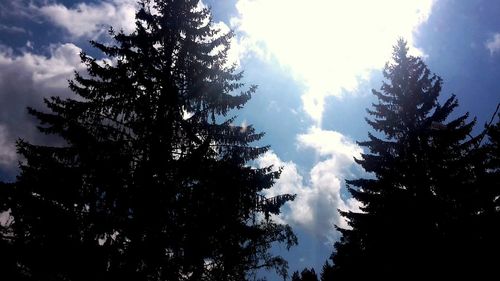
328, 45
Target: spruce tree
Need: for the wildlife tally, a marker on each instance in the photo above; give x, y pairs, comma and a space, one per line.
154, 181
326, 272
6, 243
486, 219
416, 207
306, 275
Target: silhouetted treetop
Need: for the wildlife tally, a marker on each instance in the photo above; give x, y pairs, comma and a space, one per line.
416, 208
306, 275
153, 182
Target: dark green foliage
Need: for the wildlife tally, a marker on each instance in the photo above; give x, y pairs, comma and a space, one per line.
417, 212
153, 183
306, 275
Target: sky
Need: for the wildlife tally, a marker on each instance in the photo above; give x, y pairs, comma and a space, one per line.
315, 63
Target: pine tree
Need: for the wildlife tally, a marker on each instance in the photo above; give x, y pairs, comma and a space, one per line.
415, 210
154, 182
326, 272
486, 221
306, 275
6, 243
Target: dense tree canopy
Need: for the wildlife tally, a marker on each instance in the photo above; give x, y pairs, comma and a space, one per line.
154, 180
486, 223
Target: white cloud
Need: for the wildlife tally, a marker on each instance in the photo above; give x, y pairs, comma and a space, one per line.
327, 45
55, 70
318, 200
235, 48
24, 80
12, 29
329, 143
89, 20
493, 43
290, 180
7, 153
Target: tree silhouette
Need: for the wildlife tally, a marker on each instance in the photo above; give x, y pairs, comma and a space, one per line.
6, 243
486, 219
327, 272
416, 208
306, 275
153, 182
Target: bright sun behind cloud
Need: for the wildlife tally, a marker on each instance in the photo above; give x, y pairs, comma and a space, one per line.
328, 45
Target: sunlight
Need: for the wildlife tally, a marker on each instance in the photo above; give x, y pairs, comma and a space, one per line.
328, 45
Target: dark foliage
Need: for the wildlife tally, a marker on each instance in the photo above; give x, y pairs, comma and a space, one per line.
153, 183
486, 223
420, 208
327, 272
306, 275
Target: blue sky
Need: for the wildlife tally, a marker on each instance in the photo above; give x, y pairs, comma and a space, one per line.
315, 62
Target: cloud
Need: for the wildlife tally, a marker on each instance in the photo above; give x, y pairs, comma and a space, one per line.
24, 80
16, 9
328, 45
290, 180
235, 50
12, 29
319, 198
7, 154
329, 143
90, 20
493, 43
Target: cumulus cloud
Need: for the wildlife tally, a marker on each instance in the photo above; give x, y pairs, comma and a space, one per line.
329, 143
493, 43
89, 20
319, 197
328, 45
24, 80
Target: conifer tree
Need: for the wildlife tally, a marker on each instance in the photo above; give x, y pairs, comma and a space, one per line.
154, 182
415, 210
486, 219
326, 272
6, 243
306, 275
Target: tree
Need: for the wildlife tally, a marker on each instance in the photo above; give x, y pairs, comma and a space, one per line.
153, 182
416, 207
6, 243
306, 275
487, 217
327, 272
493, 185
